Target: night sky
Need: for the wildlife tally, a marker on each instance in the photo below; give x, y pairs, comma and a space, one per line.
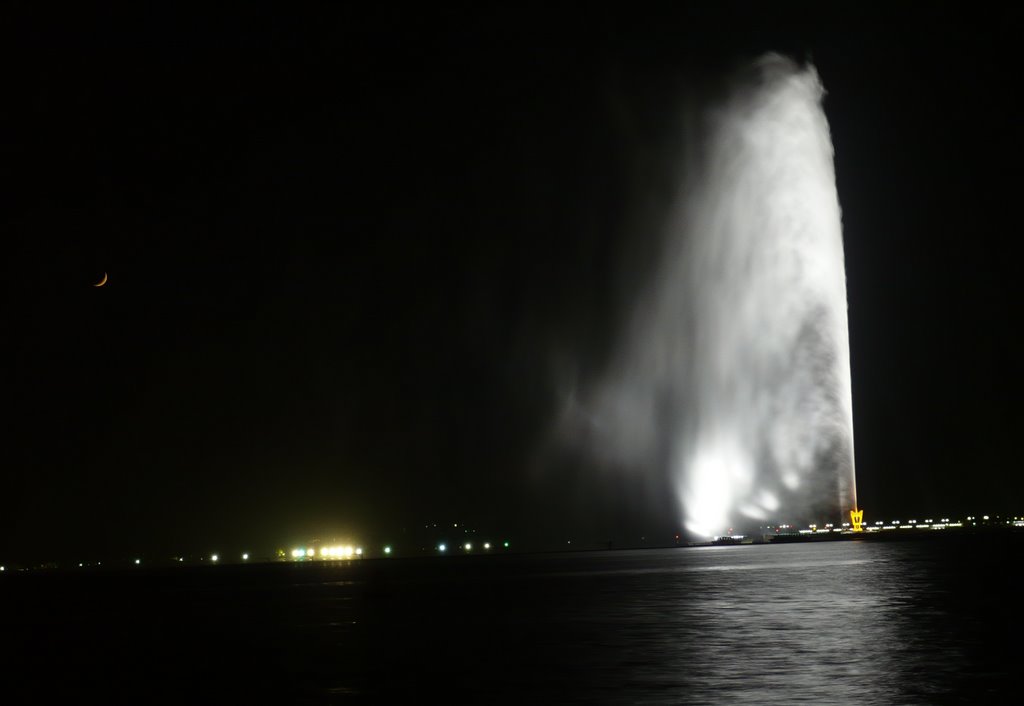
349, 251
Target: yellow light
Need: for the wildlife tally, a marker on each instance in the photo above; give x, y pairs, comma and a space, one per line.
359, 551
857, 518
387, 550
245, 557
296, 553
468, 546
214, 557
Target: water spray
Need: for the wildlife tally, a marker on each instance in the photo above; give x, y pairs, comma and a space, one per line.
735, 371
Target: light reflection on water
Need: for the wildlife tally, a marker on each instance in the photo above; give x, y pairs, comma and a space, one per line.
836, 622
803, 630
858, 622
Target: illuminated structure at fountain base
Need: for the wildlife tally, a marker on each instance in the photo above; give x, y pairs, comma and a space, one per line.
857, 519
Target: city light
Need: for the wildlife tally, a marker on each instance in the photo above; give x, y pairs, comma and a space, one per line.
346, 551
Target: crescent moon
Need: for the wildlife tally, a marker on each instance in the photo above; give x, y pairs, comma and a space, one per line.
102, 281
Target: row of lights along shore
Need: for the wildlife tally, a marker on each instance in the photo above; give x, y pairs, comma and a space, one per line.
324, 553
350, 552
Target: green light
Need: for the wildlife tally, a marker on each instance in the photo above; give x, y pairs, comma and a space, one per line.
506, 545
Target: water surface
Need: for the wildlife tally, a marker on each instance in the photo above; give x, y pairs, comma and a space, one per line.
860, 622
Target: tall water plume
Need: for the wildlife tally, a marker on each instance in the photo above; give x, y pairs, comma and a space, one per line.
733, 373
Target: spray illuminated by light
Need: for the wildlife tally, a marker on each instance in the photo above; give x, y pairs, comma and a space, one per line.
734, 373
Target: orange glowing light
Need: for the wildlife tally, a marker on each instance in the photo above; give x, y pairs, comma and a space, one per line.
856, 518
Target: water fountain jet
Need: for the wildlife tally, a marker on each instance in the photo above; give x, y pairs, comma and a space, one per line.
734, 373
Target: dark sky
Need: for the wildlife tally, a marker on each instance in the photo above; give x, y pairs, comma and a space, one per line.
347, 249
